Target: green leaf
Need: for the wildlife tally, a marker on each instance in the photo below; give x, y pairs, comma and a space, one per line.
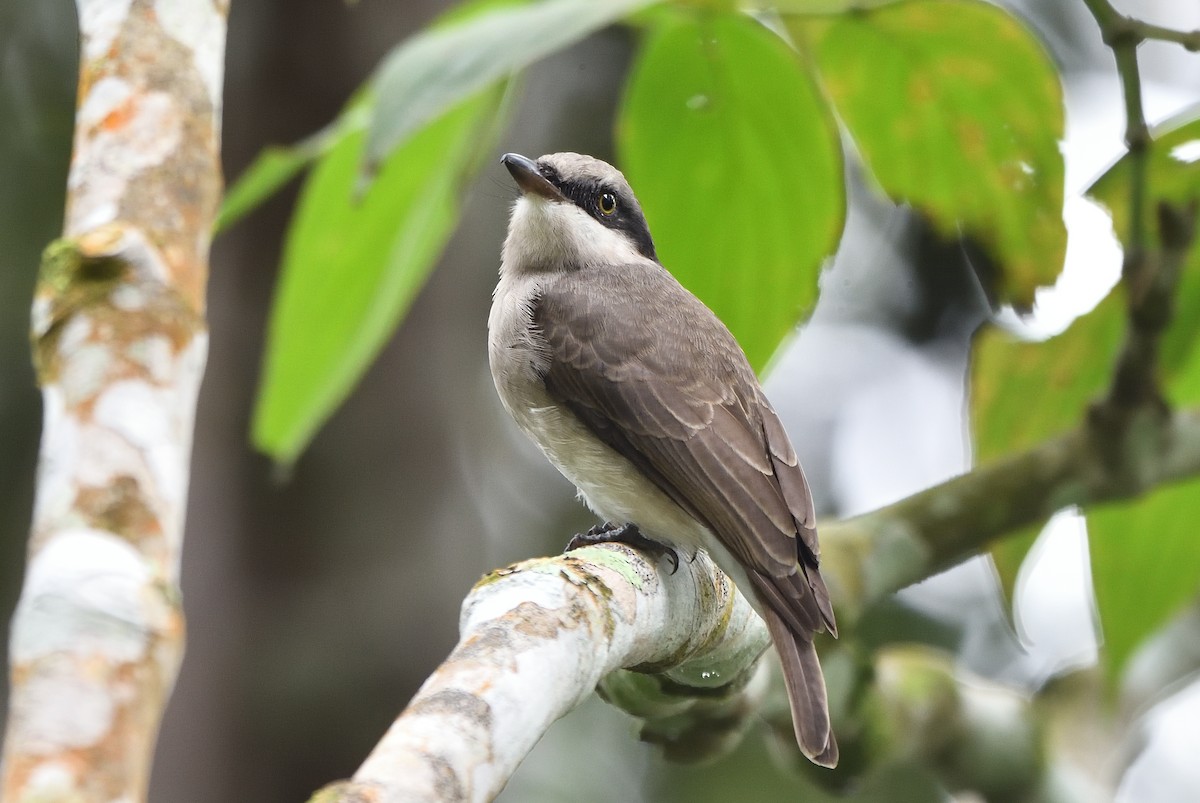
353, 264
1143, 552
820, 7
432, 71
1172, 176
737, 163
277, 165
956, 109
1023, 392
1144, 566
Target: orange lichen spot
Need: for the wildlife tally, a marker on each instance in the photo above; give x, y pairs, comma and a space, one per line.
119, 117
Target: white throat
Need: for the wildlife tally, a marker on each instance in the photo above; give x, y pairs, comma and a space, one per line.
557, 235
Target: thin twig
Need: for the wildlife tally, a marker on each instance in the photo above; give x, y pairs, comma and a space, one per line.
1150, 270
1190, 40
1123, 35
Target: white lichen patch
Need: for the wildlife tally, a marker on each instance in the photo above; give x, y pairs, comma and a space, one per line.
52, 780
128, 298
84, 594
85, 370
147, 418
155, 355
42, 314
62, 708
128, 133
59, 459
101, 21
200, 27
76, 332
103, 456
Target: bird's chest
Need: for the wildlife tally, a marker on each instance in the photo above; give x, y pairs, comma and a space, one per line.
519, 359
515, 353
609, 483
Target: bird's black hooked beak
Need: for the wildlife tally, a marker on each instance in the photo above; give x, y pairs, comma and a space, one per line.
529, 178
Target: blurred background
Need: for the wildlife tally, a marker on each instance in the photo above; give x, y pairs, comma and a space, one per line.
317, 605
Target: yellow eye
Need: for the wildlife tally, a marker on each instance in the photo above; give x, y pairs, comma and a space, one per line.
608, 204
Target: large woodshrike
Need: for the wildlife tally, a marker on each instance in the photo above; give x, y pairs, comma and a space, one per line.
642, 398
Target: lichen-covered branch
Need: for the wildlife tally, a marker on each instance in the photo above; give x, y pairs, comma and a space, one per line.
119, 343
539, 636
536, 639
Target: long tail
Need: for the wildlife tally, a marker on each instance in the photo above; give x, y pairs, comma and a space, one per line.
806, 691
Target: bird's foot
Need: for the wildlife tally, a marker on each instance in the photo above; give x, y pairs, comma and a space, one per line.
627, 534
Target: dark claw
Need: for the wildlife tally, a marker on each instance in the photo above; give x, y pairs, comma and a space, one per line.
596, 534
628, 534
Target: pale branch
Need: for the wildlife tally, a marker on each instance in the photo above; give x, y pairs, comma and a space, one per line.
119, 343
536, 639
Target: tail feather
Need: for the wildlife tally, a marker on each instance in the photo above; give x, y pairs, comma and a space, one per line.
806, 691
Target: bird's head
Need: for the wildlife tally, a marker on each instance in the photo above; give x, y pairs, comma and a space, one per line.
574, 211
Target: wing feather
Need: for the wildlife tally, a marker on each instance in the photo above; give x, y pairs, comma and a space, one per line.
673, 393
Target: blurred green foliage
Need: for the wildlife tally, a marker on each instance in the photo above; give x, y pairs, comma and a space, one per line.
353, 262
735, 158
957, 109
1143, 552
728, 137
727, 133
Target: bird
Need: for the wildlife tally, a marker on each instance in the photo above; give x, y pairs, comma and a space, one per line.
641, 397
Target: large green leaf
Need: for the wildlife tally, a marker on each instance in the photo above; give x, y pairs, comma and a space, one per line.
352, 265
956, 109
278, 164
1145, 566
1024, 392
737, 163
437, 68
818, 6
1146, 554
1173, 176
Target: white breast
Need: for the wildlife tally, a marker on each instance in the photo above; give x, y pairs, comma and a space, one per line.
610, 485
